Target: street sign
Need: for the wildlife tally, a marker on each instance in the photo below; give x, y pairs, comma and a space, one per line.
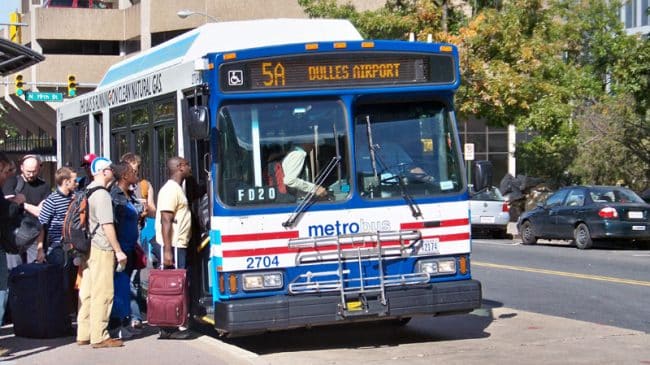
469, 151
43, 96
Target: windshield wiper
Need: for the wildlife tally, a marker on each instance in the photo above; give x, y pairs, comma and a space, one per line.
371, 150
309, 198
374, 157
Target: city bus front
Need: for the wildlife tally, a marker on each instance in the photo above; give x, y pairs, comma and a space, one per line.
339, 201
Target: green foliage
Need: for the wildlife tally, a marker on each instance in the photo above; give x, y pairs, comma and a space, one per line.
547, 67
604, 153
395, 20
7, 130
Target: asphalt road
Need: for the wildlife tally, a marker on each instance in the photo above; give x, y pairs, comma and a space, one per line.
608, 285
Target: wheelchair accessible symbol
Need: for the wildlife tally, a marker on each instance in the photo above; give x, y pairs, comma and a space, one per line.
235, 78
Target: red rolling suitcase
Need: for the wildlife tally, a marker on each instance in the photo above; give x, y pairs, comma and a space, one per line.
167, 298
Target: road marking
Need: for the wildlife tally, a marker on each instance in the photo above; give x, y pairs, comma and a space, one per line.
563, 273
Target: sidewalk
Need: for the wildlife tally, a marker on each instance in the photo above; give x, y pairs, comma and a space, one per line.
487, 336
512, 337
143, 350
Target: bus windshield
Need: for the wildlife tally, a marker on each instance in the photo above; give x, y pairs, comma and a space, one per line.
255, 140
412, 152
405, 148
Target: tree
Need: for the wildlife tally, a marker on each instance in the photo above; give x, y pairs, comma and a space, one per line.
614, 123
602, 154
6, 130
540, 65
395, 20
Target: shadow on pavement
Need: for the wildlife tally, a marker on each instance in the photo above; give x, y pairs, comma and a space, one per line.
20, 347
598, 245
373, 334
23, 347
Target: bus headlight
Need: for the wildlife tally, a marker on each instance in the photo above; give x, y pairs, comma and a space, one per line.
437, 267
447, 266
429, 267
262, 281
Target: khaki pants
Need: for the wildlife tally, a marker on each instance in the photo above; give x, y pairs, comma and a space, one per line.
96, 296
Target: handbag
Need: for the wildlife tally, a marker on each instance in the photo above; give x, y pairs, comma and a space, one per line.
140, 258
21, 233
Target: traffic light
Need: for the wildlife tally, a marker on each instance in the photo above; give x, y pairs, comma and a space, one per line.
14, 29
20, 84
72, 86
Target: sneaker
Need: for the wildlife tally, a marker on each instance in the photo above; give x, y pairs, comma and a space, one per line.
4, 351
122, 333
136, 323
181, 335
165, 333
134, 330
125, 332
109, 342
174, 334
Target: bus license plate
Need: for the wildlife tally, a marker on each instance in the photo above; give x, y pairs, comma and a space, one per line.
429, 246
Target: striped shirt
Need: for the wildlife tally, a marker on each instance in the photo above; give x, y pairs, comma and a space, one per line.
52, 215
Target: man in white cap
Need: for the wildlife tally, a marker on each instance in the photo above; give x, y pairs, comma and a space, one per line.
96, 289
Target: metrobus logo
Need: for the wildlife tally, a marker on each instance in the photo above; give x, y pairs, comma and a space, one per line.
339, 228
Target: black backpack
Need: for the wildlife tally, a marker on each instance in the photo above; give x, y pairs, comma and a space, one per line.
76, 233
21, 228
19, 232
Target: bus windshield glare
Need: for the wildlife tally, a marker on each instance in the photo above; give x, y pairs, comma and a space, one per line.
413, 150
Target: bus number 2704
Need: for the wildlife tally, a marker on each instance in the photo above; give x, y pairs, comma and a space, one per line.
256, 262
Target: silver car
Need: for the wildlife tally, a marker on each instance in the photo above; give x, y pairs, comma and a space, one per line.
489, 213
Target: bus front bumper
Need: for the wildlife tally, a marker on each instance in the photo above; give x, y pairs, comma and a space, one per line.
255, 315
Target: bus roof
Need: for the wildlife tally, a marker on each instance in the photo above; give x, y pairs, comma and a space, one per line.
230, 36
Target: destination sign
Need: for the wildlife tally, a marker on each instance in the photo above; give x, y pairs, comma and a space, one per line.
337, 70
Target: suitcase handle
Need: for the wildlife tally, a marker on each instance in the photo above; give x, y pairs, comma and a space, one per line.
162, 258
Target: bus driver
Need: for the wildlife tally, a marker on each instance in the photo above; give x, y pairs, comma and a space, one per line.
293, 166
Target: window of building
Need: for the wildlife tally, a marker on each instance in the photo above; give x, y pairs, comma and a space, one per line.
76, 47
86, 4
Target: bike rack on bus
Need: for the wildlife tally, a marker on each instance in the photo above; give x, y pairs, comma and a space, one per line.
357, 294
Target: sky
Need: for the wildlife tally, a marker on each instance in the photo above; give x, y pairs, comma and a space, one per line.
6, 7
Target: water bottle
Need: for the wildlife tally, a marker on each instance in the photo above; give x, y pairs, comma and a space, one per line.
120, 266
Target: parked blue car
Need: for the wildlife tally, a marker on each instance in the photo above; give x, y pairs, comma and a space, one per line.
586, 214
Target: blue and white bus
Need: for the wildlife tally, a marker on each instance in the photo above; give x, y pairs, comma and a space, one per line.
390, 238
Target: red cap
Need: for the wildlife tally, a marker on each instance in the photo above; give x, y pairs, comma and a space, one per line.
88, 159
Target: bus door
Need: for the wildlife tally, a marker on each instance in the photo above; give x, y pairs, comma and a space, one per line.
196, 124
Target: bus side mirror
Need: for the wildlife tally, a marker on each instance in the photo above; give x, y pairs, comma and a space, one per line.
199, 122
482, 175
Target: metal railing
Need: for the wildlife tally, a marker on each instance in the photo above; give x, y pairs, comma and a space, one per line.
35, 145
361, 292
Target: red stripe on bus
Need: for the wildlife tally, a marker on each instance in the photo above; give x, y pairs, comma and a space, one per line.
259, 236
431, 224
285, 250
